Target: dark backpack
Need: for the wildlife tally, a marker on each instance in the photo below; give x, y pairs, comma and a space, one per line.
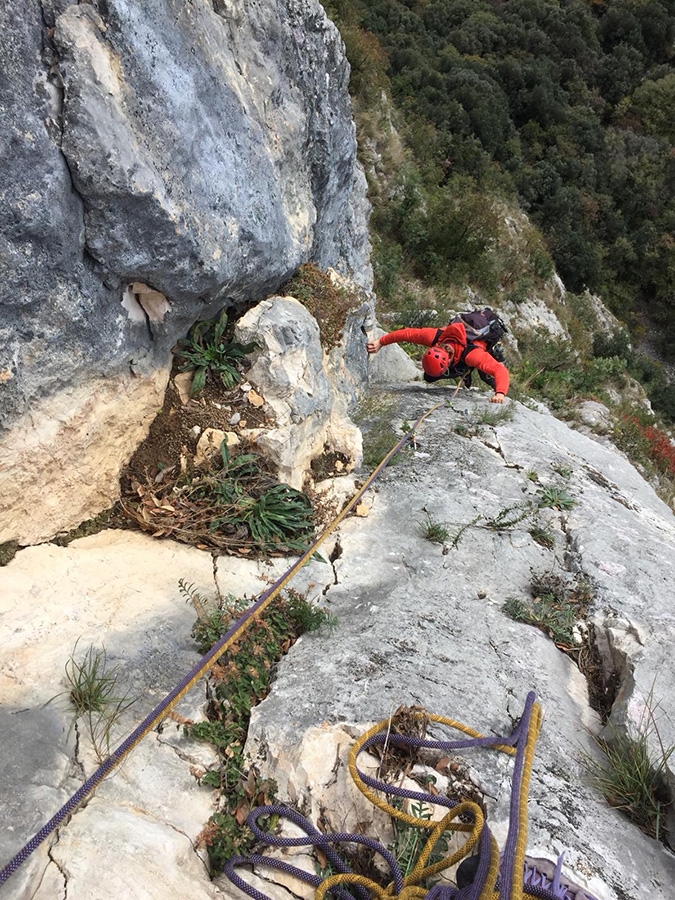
480, 325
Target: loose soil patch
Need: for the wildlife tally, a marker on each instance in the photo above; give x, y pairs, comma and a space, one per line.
177, 429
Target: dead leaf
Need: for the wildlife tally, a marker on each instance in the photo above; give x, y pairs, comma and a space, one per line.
442, 763
241, 813
159, 533
321, 857
161, 475
176, 717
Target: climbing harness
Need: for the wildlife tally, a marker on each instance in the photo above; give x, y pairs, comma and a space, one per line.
506, 876
201, 668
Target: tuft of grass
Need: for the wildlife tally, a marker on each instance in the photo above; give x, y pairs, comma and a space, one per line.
555, 608
555, 498
634, 778
532, 475
328, 302
240, 506
207, 351
554, 619
93, 691
543, 536
433, 531
496, 416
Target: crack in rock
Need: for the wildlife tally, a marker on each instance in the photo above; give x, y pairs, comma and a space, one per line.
77, 766
59, 868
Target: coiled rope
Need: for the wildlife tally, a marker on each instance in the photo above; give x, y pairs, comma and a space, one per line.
506, 877
205, 663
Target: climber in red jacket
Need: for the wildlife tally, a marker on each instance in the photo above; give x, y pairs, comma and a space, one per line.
450, 356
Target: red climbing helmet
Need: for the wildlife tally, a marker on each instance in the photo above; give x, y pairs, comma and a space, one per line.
435, 361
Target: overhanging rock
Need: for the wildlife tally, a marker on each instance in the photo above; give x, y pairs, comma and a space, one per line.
201, 151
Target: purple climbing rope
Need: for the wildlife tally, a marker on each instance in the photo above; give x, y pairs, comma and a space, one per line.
127, 745
535, 882
196, 672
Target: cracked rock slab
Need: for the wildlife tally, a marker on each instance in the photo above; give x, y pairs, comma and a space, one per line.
117, 590
422, 624
110, 851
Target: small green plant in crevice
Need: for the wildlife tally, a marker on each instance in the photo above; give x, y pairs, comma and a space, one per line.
466, 429
555, 498
208, 627
237, 683
508, 517
555, 607
109, 518
433, 531
494, 417
543, 536
93, 689
532, 476
564, 471
409, 841
485, 418
554, 619
206, 351
633, 776
457, 537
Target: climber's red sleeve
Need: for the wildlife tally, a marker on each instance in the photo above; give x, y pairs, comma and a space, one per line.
481, 359
424, 336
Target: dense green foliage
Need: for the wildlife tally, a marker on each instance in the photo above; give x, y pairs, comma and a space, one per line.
238, 682
206, 350
565, 104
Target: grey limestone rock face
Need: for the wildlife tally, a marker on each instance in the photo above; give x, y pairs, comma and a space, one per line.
423, 624
418, 623
163, 160
204, 149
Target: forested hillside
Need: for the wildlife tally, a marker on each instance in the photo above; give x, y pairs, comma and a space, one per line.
566, 106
